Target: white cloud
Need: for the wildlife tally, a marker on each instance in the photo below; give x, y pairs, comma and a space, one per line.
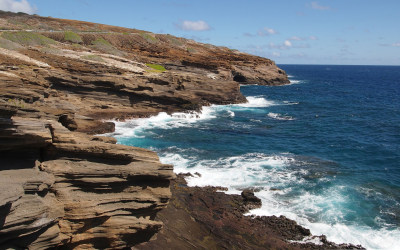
287, 43
295, 38
396, 44
194, 25
276, 54
266, 32
17, 6
317, 6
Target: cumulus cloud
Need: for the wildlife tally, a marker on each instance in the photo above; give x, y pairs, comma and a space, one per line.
194, 25
396, 45
287, 43
276, 54
17, 6
317, 6
296, 38
266, 32
262, 32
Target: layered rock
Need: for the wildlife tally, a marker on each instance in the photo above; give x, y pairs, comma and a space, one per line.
65, 188
76, 191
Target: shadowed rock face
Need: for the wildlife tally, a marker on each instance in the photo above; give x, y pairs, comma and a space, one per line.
64, 188
75, 190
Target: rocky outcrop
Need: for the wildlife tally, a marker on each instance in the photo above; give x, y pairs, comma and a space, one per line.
61, 186
202, 218
77, 191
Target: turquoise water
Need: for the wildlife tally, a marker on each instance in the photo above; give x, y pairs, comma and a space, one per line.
324, 150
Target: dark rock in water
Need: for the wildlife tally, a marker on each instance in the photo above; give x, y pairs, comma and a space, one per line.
250, 199
201, 218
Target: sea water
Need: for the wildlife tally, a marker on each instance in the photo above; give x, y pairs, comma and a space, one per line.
323, 150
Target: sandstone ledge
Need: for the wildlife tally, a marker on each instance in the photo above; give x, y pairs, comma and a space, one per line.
75, 192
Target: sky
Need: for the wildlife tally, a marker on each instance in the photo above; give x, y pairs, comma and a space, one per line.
355, 32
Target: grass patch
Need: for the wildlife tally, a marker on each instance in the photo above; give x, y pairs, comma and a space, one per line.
148, 37
105, 46
101, 42
28, 38
190, 50
95, 58
17, 103
174, 40
156, 67
72, 37
7, 44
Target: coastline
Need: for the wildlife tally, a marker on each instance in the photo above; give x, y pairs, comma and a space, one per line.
68, 188
188, 201
206, 218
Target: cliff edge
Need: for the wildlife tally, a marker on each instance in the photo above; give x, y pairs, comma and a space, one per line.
59, 80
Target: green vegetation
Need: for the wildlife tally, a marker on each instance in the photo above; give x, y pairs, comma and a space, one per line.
156, 67
105, 46
17, 103
95, 58
72, 37
27, 38
149, 37
174, 40
101, 42
7, 44
190, 50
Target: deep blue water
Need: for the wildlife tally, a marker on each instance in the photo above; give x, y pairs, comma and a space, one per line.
324, 150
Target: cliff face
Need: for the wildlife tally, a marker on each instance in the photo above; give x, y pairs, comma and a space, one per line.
58, 81
70, 189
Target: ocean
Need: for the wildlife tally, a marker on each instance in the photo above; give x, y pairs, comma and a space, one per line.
323, 150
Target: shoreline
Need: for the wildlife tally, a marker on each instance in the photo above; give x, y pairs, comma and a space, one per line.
204, 217
308, 240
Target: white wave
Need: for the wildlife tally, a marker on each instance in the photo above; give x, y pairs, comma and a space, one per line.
280, 117
235, 172
135, 127
309, 239
275, 179
295, 81
290, 76
335, 231
290, 103
256, 102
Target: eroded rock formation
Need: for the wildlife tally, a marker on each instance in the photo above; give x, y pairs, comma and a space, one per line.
62, 187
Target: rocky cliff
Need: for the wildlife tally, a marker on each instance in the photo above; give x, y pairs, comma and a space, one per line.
59, 80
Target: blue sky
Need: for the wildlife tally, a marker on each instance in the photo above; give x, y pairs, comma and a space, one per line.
286, 31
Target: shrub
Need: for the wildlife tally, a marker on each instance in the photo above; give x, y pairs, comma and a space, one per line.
156, 67
7, 44
72, 37
105, 46
101, 42
148, 37
27, 38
